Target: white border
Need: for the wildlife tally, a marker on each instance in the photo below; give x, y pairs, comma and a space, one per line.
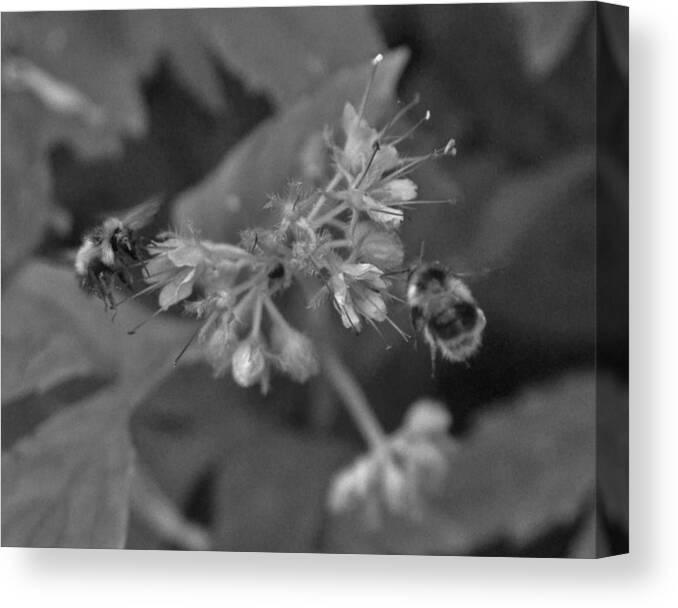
647, 577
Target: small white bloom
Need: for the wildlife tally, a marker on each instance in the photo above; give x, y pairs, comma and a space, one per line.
383, 214
359, 148
427, 417
397, 190
397, 479
378, 246
220, 341
356, 288
370, 304
249, 364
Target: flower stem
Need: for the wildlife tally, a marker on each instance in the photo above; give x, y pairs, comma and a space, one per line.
275, 315
334, 182
256, 317
355, 400
330, 215
354, 223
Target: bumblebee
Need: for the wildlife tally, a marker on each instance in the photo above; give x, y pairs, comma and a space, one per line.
109, 251
444, 311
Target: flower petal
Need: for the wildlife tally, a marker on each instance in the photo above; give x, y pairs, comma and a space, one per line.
400, 190
187, 255
387, 216
179, 288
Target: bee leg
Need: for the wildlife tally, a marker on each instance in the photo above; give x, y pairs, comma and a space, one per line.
125, 277
94, 285
107, 289
434, 352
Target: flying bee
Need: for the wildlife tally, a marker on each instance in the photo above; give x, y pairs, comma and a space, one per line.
444, 311
109, 251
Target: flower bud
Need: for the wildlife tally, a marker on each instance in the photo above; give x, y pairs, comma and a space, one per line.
378, 246
296, 353
370, 304
248, 363
427, 417
219, 346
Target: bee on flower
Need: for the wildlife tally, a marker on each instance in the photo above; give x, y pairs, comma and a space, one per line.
342, 235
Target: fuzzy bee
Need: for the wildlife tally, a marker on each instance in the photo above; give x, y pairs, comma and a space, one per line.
109, 251
444, 311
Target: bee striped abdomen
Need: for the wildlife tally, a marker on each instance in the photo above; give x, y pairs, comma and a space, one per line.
443, 309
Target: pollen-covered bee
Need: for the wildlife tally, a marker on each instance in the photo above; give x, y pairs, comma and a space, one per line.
109, 251
443, 309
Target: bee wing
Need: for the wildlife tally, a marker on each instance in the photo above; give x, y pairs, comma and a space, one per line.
139, 216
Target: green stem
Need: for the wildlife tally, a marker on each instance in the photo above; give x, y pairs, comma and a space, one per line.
330, 215
355, 401
334, 182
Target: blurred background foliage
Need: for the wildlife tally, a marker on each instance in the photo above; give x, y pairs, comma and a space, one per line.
214, 110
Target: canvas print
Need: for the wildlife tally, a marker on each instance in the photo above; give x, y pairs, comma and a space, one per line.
345, 279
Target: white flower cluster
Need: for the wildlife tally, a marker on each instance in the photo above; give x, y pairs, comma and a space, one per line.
344, 235
394, 478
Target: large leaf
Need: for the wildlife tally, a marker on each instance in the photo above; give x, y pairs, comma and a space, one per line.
538, 232
67, 485
266, 160
270, 492
254, 485
86, 54
104, 54
53, 332
282, 51
26, 183
528, 466
75, 77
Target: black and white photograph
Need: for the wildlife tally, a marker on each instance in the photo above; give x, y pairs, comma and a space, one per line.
317, 279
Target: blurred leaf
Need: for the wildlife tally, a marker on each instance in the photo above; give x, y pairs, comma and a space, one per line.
101, 56
216, 450
75, 77
26, 184
270, 492
284, 52
64, 77
267, 483
615, 21
538, 234
53, 332
67, 485
527, 467
87, 54
548, 31
150, 506
265, 161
